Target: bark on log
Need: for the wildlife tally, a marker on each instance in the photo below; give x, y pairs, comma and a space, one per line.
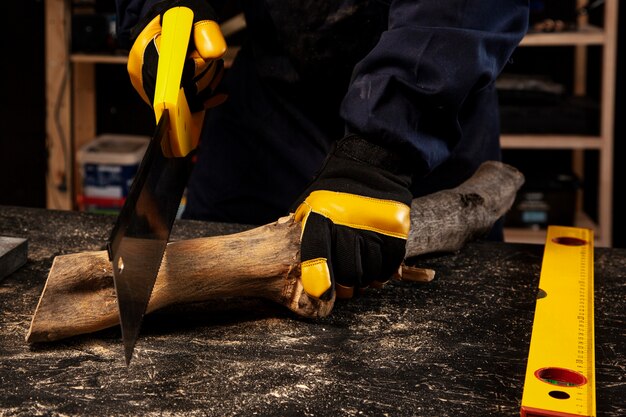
79, 295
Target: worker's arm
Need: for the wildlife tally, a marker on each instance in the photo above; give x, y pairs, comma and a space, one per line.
404, 104
411, 91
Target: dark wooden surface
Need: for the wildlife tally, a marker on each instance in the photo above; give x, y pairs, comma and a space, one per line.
456, 346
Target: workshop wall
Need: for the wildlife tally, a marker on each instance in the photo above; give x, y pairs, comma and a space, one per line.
22, 141
22, 136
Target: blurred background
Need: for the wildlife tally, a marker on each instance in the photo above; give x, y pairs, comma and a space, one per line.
562, 105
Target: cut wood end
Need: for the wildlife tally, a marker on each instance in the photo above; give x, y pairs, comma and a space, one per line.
74, 281
414, 274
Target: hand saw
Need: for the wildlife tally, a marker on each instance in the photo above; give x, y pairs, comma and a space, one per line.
139, 237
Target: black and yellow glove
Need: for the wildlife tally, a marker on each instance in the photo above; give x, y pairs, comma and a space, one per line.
355, 220
204, 66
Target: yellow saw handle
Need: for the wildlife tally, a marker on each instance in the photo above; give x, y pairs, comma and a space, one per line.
168, 95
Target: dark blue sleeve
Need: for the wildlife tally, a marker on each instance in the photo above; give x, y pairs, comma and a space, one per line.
128, 14
433, 56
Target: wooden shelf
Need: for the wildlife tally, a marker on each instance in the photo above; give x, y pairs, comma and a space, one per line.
538, 236
584, 35
98, 59
81, 58
548, 141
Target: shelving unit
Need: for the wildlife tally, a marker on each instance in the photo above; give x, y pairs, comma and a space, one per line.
585, 36
71, 110
71, 100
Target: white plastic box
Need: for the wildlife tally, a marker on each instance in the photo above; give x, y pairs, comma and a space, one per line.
108, 165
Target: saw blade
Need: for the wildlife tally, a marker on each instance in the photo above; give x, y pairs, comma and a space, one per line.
140, 236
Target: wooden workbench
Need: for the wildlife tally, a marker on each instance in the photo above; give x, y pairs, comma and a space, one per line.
456, 346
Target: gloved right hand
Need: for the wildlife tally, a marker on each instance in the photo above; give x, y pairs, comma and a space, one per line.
355, 219
204, 66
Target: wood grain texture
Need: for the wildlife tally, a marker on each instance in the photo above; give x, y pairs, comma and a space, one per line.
79, 295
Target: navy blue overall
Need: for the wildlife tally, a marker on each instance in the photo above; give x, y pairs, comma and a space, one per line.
415, 76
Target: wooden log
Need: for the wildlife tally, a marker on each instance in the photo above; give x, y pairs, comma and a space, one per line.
79, 295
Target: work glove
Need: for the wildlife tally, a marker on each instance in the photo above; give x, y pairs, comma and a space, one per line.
203, 67
355, 220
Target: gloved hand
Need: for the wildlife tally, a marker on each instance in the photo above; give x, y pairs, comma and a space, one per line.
355, 220
204, 66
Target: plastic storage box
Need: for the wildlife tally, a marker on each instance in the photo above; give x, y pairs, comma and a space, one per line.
544, 201
108, 165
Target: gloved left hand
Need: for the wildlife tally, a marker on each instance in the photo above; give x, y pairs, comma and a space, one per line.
355, 220
203, 67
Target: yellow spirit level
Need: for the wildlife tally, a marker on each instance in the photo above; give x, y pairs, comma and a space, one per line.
560, 374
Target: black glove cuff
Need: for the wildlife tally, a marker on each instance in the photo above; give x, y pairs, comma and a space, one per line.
358, 149
357, 166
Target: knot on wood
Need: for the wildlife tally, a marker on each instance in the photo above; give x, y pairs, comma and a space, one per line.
471, 200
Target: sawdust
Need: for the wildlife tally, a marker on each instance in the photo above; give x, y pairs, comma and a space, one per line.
454, 346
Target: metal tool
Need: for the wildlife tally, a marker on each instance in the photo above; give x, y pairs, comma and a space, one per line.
13, 254
140, 235
560, 374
